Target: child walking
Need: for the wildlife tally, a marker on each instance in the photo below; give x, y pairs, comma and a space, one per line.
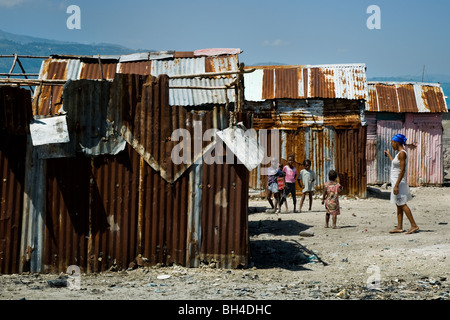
330, 198
273, 188
306, 180
290, 174
282, 185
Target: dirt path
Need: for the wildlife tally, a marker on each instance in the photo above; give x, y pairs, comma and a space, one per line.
361, 260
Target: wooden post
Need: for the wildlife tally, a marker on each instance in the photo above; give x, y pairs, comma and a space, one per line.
101, 67
240, 84
23, 70
13, 65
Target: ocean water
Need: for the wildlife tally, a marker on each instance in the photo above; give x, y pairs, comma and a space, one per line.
446, 88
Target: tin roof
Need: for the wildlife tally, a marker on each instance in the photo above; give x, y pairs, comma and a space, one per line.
155, 63
339, 81
399, 97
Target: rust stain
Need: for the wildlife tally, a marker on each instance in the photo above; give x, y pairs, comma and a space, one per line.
109, 209
406, 98
93, 70
49, 101
321, 85
372, 101
268, 90
286, 83
136, 67
387, 98
183, 54
433, 98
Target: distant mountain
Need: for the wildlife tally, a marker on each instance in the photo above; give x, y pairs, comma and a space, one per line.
23, 39
25, 45
428, 78
268, 64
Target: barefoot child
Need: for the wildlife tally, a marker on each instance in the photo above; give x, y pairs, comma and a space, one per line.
272, 188
306, 180
282, 188
330, 197
290, 175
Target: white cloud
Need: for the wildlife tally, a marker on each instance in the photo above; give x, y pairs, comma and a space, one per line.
12, 3
275, 43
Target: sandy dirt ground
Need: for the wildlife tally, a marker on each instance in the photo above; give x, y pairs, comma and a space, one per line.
293, 258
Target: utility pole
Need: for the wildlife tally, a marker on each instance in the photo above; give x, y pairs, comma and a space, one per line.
423, 72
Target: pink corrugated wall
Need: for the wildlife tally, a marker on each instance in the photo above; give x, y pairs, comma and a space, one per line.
424, 146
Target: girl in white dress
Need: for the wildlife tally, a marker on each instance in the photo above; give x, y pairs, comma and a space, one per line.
400, 193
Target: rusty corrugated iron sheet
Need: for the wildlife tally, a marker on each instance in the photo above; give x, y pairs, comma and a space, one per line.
311, 130
67, 214
92, 127
294, 114
48, 99
107, 210
92, 124
143, 68
400, 97
340, 149
15, 110
306, 82
414, 109
224, 226
149, 127
95, 69
12, 176
351, 160
15, 115
371, 148
198, 65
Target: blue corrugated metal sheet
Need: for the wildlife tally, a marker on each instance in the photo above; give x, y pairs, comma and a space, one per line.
386, 130
320, 149
197, 97
186, 66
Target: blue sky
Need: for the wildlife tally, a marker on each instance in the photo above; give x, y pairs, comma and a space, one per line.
413, 33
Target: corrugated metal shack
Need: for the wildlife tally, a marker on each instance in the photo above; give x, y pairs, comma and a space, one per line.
317, 113
15, 115
111, 192
415, 110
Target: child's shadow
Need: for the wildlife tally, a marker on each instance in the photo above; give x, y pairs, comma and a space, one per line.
277, 228
373, 192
